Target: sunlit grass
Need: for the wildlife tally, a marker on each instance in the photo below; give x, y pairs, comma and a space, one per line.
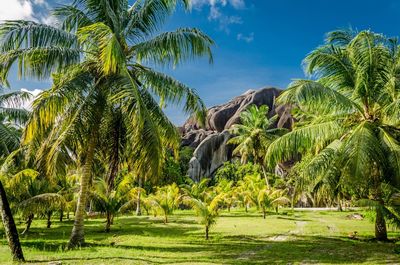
237, 238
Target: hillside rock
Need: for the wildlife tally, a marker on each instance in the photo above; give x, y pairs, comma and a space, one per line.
210, 143
210, 155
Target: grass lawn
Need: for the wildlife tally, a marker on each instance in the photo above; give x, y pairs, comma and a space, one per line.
305, 237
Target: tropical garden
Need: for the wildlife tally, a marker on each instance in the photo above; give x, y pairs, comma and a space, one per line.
94, 171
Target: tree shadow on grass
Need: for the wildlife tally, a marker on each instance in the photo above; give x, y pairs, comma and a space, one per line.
293, 218
255, 250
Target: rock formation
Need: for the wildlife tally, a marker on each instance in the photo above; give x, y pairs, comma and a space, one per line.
210, 142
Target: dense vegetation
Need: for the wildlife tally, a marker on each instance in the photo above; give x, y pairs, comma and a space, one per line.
97, 143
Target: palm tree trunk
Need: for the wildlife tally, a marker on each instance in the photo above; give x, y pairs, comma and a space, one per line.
138, 206
77, 236
108, 222
265, 175
9, 227
245, 208
61, 215
207, 230
380, 223
264, 212
49, 219
165, 218
28, 223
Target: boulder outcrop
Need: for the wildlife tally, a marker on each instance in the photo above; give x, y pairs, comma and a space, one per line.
210, 142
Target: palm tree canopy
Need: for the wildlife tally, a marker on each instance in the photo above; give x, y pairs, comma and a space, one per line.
12, 118
350, 112
97, 56
254, 134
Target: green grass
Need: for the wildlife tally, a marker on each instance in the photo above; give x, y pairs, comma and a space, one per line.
237, 238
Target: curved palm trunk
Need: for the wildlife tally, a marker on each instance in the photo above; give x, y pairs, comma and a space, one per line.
77, 236
138, 206
28, 224
9, 227
265, 175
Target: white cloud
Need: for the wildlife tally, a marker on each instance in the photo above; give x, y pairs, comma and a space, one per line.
16, 9
36, 10
247, 38
28, 104
237, 4
215, 13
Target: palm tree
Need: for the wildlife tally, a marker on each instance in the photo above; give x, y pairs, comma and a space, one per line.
197, 190
97, 59
42, 204
242, 195
271, 198
110, 201
12, 118
206, 208
350, 112
254, 135
225, 187
166, 199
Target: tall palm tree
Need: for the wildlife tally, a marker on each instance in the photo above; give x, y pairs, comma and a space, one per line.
12, 118
97, 57
254, 135
350, 112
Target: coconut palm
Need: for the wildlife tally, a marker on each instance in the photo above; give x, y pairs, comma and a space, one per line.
97, 58
242, 195
253, 184
166, 200
43, 204
12, 118
226, 189
197, 190
110, 201
254, 135
271, 198
355, 102
206, 208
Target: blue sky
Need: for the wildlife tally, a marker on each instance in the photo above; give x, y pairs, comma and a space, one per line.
258, 42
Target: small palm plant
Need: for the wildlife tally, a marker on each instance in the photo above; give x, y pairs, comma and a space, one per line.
206, 209
271, 198
110, 201
242, 195
196, 189
166, 199
43, 204
225, 188
34, 195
